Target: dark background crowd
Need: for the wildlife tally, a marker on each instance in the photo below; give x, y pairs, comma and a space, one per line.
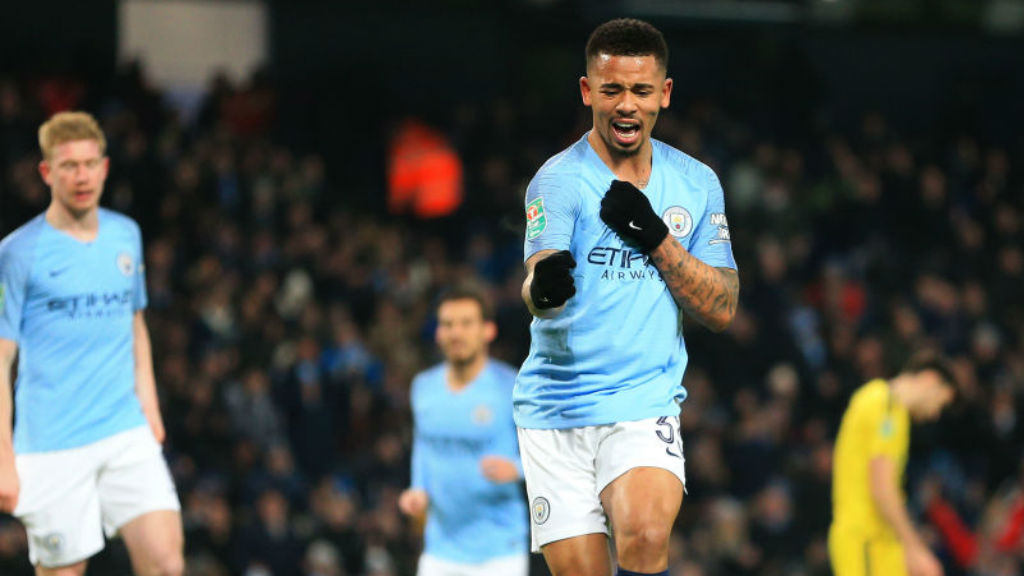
290, 303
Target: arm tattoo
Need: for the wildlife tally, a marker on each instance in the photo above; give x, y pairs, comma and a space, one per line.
708, 294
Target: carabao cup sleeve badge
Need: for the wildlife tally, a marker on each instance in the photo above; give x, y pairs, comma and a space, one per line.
535, 219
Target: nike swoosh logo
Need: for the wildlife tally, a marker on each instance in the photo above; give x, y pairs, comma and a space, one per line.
634, 226
58, 272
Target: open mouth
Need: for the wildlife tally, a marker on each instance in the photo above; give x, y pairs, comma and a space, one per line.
627, 132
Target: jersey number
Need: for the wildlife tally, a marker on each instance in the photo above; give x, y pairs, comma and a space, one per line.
668, 436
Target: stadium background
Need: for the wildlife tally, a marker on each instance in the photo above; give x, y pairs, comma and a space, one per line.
871, 154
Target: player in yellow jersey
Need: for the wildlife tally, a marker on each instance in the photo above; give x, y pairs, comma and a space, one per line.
871, 532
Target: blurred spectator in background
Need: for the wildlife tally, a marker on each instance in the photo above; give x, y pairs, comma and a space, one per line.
424, 172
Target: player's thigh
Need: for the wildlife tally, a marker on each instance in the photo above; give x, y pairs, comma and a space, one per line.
76, 569
561, 484
642, 474
585, 555
644, 501
135, 482
138, 500
155, 542
59, 507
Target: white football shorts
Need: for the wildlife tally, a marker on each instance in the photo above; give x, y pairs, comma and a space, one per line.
518, 565
70, 498
566, 470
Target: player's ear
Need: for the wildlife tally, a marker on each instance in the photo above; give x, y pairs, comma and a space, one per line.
585, 90
666, 92
490, 331
45, 171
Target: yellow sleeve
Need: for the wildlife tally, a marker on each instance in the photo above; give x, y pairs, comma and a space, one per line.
885, 430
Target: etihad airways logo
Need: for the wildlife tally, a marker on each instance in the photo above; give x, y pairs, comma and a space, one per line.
95, 305
622, 264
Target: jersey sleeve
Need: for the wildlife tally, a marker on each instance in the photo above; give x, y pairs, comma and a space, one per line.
552, 205
141, 296
14, 272
884, 430
711, 242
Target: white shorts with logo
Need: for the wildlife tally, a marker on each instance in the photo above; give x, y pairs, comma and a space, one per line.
69, 498
566, 470
518, 565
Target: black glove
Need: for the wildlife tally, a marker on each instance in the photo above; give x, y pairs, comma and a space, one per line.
628, 212
552, 282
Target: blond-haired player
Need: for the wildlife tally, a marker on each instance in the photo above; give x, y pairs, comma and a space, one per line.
84, 457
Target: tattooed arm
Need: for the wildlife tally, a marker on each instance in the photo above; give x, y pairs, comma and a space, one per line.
708, 294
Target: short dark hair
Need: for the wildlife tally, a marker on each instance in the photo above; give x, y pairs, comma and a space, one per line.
928, 359
628, 37
468, 292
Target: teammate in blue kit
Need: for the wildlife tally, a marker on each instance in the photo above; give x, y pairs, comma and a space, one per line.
85, 455
625, 235
465, 459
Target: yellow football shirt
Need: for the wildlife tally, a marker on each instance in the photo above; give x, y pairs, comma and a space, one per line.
874, 424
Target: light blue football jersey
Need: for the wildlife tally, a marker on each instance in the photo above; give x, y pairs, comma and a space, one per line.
470, 519
69, 305
616, 352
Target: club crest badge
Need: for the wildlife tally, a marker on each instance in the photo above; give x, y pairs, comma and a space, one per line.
678, 220
52, 543
540, 510
125, 263
482, 415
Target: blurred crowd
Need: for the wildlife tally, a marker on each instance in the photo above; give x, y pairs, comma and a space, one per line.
289, 313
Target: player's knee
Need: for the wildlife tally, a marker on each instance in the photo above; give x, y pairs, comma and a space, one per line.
77, 569
169, 565
578, 570
641, 539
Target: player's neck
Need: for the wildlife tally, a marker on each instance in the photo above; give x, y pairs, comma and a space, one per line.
460, 375
634, 168
82, 227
